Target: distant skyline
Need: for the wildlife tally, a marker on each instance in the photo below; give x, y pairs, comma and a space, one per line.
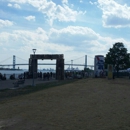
74, 28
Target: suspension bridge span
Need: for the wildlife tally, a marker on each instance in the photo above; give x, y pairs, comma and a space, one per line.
67, 63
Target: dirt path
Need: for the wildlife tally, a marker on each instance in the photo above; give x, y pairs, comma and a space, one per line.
88, 104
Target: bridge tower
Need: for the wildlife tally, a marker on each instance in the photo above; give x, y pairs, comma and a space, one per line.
85, 61
14, 61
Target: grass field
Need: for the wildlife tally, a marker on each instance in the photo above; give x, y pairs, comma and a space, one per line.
86, 104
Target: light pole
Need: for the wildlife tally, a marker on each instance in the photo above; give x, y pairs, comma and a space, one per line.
34, 50
71, 65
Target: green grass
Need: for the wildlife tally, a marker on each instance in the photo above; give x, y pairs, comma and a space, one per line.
8, 93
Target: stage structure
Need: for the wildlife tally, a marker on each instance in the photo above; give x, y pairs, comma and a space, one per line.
59, 64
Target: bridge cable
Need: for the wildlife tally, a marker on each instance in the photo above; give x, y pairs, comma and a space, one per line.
75, 59
21, 58
5, 59
90, 57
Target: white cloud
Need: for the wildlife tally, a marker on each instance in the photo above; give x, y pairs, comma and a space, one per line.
65, 1
73, 35
5, 23
114, 14
29, 18
18, 1
84, 39
14, 5
20, 39
17, 6
61, 13
93, 3
81, 1
10, 5
53, 11
73, 41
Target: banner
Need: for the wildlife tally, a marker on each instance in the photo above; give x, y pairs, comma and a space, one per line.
98, 65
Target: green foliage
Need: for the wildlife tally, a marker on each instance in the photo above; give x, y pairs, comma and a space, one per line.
117, 56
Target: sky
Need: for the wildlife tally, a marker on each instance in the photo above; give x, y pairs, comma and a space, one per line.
74, 28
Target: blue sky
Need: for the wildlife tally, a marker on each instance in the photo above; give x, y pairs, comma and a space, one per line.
74, 28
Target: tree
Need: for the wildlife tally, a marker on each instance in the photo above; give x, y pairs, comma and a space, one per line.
117, 56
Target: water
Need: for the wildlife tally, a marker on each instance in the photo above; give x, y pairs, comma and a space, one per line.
10, 72
18, 72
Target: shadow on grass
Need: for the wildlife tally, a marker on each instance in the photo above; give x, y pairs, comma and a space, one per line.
8, 93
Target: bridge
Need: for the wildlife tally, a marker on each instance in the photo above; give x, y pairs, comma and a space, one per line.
69, 63
45, 64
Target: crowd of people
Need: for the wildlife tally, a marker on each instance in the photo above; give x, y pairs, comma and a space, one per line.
78, 74
2, 77
46, 75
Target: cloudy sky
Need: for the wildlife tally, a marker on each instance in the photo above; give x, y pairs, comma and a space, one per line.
74, 28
